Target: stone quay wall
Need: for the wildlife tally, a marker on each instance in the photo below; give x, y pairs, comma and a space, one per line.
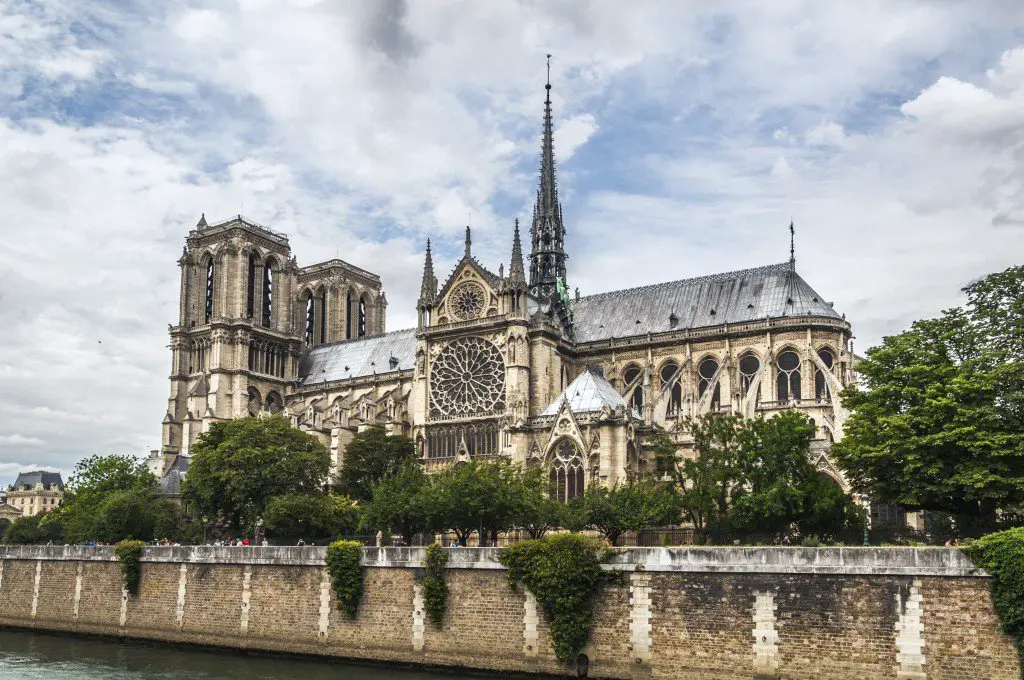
678, 613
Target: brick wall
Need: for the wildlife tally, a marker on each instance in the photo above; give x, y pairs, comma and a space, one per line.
676, 613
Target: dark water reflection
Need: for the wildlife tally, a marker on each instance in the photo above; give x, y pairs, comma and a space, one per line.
26, 656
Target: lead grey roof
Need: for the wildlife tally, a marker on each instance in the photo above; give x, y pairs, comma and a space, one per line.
31, 479
745, 295
358, 358
587, 393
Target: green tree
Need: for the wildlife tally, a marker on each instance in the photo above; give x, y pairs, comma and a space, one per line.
135, 514
121, 481
312, 517
238, 466
630, 507
538, 513
371, 456
34, 530
938, 417
474, 496
399, 502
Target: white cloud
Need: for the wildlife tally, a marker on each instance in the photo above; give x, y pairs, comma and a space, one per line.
14, 440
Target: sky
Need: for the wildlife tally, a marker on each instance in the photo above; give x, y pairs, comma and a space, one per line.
687, 135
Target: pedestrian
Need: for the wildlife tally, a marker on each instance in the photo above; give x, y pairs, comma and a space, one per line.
265, 543
949, 542
380, 538
786, 541
455, 544
301, 542
245, 542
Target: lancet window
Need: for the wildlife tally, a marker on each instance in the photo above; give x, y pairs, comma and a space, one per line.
323, 316
310, 313
671, 381
706, 372
749, 366
362, 317
566, 474
250, 289
348, 315
788, 381
268, 294
636, 396
445, 441
821, 389
267, 357
208, 307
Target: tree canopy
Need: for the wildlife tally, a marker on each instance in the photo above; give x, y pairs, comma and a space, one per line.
399, 502
938, 415
238, 466
371, 456
311, 517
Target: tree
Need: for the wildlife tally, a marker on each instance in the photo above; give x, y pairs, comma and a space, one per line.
312, 517
399, 503
94, 483
629, 507
135, 514
938, 419
474, 496
239, 465
371, 456
538, 512
34, 530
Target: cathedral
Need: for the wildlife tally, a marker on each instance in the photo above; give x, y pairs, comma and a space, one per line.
499, 365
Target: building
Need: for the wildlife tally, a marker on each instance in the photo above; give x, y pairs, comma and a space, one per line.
36, 492
500, 364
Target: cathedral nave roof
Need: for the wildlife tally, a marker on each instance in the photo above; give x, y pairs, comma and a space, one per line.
358, 358
732, 297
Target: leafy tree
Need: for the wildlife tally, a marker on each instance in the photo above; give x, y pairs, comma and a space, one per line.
474, 495
122, 482
34, 530
135, 514
938, 419
538, 513
371, 456
311, 516
631, 506
399, 502
4, 525
238, 466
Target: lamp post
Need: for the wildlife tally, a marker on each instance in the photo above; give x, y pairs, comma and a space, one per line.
204, 530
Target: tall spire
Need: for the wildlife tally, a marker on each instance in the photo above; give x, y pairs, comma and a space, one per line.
547, 233
469, 241
792, 245
516, 274
428, 289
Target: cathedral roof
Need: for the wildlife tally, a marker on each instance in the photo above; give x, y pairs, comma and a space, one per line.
587, 393
733, 297
358, 358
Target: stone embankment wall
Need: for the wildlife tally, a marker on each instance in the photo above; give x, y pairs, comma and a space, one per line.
678, 612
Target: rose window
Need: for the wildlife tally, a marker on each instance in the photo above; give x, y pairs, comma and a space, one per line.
467, 378
467, 301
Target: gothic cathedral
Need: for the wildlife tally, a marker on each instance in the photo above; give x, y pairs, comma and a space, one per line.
499, 365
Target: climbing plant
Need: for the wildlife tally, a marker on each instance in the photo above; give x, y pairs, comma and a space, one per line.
564, 573
346, 575
435, 590
1002, 555
128, 555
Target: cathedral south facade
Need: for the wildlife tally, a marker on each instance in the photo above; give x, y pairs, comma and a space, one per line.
505, 364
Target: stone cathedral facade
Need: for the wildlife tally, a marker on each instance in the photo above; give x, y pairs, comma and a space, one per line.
505, 364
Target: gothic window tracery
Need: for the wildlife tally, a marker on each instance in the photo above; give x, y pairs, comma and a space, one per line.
444, 441
323, 315
310, 313
208, 307
636, 397
675, 396
362, 317
566, 474
821, 389
268, 293
706, 372
467, 300
788, 381
348, 315
250, 289
749, 366
467, 379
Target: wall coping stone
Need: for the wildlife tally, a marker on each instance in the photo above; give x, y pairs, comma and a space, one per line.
728, 560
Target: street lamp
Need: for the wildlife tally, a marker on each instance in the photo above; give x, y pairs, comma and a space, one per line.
204, 530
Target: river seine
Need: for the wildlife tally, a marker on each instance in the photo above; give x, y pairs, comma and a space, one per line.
25, 656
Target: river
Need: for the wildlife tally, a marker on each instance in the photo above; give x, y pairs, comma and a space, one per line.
26, 656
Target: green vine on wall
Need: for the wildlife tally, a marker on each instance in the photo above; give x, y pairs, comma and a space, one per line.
1001, 555
129, 554
435, 590
346, 575
563, 571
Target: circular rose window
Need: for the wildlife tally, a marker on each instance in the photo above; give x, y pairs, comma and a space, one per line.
466, 379
467, 301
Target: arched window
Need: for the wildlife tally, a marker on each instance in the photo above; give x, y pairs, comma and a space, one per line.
323, 316
255, 401
821, 391
636, 397
348, 316
208, 307
250, 294
566, 475
749, 366
706, 372
273, 403
310, 312
268, 293
675, 396
362, 317
789, 375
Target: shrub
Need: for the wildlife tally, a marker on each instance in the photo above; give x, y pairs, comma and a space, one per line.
346, 575
564, 573
128, 555
1002, 555
435, 590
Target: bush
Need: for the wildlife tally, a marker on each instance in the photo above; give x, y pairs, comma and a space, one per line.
1002, 556
135, 514
34, 530
564, 573
128, 555
346, 575
435, 590
311, 517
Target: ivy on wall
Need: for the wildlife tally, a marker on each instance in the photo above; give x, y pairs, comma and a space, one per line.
346, 575
1001, 555
435, 590
129, 554
563, 571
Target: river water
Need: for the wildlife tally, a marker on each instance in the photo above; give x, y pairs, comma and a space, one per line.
26, 656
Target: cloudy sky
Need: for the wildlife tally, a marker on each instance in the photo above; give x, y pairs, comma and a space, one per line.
688, 134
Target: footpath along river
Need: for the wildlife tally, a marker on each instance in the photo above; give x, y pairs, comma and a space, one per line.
27, 656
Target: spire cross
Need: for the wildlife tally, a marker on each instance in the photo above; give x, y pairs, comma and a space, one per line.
549, 72
792, 242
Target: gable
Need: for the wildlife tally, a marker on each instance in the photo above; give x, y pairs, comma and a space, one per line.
470, 293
